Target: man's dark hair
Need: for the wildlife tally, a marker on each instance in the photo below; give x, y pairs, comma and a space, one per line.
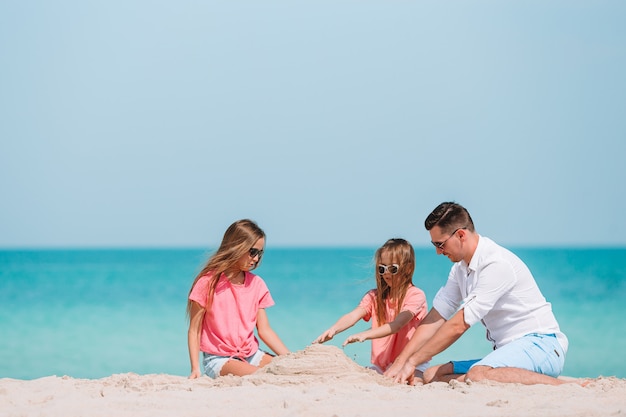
449, 216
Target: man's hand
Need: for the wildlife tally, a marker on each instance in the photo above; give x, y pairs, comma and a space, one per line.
402, 372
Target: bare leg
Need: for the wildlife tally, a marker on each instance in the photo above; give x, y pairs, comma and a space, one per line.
418, 378
265, 360
238, 368
442, 373
514, 375
241, 368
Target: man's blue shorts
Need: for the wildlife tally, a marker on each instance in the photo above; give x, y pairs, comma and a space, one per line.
535, 352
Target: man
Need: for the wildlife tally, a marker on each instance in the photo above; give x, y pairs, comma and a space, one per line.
487, 283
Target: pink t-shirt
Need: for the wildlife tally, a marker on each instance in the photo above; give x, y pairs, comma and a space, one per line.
228, 326
386, 349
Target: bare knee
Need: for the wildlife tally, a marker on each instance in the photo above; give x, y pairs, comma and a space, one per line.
435, 373
478, 373
237, 368
265, 360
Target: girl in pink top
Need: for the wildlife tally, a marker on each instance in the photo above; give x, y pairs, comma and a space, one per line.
396, 307
226, 302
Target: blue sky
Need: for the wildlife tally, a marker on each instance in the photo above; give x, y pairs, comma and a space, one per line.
154, 123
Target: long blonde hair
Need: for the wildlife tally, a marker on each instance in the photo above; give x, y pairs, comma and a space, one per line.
402, 253
237, 241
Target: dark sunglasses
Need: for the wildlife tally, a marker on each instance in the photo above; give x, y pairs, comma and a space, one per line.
255, 252
394, 268
440, 245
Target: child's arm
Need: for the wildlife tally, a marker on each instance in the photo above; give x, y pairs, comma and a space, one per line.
342, 324
268, 335
385, 330
193, 338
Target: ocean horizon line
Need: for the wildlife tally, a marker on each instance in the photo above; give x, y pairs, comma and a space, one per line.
140, 248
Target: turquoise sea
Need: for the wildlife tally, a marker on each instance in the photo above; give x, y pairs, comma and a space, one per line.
93, 313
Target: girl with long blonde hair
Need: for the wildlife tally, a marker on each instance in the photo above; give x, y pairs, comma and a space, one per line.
396, 307
226, 302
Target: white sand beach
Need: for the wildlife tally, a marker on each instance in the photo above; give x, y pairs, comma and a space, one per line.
317, 381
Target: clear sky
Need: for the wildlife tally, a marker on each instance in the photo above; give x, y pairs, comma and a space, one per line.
159, 123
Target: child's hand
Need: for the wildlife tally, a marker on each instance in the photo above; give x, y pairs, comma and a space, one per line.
359, 337
326, 336
195, 374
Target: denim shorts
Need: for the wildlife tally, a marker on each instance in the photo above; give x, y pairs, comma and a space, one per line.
213, 364
541, 353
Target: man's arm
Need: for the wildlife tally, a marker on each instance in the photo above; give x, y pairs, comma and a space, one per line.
448, 333
427, 328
